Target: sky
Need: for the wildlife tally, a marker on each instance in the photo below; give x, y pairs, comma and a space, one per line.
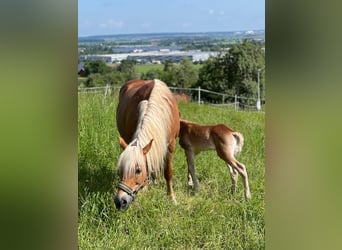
110, 17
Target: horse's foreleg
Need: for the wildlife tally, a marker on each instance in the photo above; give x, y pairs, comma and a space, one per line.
190, 158
168, 170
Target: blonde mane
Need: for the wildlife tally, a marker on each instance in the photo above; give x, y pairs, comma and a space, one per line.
153, 123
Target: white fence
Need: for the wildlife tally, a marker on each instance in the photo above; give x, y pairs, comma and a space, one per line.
195, 94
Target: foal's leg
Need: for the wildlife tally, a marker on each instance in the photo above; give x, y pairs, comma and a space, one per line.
226, 153
168, 170
234, 177
190, 158
243, 172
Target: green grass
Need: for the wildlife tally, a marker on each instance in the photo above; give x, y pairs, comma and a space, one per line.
211, 219
143, 68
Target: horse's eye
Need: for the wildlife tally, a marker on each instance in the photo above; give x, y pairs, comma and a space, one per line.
138, 171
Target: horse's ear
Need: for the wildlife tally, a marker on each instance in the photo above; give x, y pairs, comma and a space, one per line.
122, 142
147, 147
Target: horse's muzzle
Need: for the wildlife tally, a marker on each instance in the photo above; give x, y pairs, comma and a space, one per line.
123, 202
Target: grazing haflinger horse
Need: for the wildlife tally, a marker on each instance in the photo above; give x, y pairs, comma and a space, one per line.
148, 122
195, 138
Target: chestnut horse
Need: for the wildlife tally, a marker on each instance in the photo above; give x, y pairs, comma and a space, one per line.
148, 122
194, 138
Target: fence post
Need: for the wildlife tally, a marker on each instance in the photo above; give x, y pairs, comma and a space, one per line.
107, 89
235, 103
199, 95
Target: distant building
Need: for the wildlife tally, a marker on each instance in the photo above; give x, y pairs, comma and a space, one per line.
158, 57
141, 48
80, 69
250, 32
105, 58
153, 56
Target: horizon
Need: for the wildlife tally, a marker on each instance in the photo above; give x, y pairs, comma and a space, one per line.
179, 32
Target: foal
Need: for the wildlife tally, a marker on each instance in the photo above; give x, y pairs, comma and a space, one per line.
195, 138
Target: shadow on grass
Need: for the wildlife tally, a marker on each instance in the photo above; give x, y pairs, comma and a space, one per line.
99, 179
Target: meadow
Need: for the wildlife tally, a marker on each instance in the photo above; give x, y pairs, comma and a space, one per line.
144, 68
213, 218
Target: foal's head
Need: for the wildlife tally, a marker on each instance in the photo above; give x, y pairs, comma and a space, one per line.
133, 172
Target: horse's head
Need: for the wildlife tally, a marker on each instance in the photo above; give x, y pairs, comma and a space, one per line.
133, 172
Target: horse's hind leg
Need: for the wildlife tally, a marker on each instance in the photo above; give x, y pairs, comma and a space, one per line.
168, 170
243, 172
227, 155
190, 158
234, 177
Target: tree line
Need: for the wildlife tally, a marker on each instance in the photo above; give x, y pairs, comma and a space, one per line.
232, 72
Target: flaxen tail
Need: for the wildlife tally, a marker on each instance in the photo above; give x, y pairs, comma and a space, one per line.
239, 142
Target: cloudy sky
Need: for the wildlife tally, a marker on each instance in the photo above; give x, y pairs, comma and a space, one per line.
105, 17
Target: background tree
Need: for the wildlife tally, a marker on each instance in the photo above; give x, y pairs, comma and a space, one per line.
170, 73
234, 72
100, 74
127, 67
153, 74
182, 75
94, 67
244, 59
95, 80
187, 74
212, 77
115, 78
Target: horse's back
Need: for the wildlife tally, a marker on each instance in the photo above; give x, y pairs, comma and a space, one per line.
222, 133
194, 136
230, 139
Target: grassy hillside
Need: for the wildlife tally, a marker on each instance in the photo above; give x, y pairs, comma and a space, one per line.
211, 219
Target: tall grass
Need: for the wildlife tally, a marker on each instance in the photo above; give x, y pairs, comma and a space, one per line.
211, 219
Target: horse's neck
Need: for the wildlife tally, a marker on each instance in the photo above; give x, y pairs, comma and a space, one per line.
142, 107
